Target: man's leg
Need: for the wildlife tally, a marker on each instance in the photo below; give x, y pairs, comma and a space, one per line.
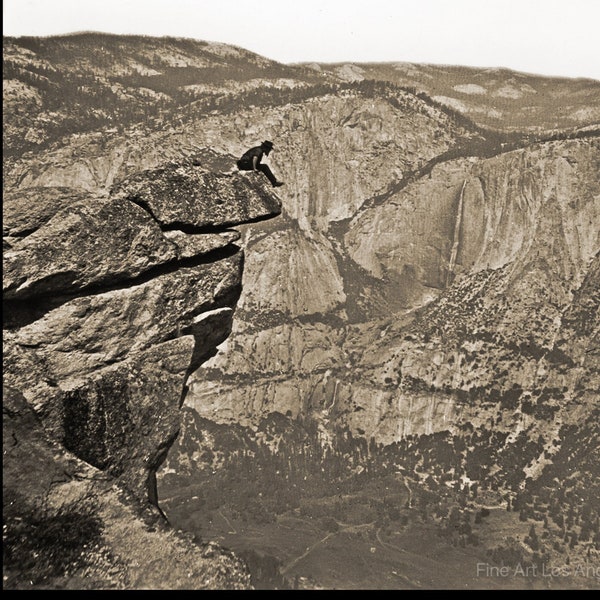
269, 174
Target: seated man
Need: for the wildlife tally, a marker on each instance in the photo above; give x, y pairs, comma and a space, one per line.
251, 161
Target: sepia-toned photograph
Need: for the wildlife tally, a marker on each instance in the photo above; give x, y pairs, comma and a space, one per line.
301, 295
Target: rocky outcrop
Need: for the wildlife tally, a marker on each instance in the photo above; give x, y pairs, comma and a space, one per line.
110, 302
69, 526
154, 191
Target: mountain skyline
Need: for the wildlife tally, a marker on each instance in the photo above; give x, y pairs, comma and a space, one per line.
553, 40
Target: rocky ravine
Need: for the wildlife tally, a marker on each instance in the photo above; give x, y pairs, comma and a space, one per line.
110, 302
516, 234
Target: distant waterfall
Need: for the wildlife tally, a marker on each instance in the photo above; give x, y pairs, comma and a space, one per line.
456, 237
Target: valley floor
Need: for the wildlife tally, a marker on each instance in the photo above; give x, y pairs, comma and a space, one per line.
300, 550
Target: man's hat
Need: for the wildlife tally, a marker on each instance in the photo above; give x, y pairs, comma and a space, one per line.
267, 144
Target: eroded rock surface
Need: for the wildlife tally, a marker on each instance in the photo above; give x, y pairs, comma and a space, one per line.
503, 243
107, 310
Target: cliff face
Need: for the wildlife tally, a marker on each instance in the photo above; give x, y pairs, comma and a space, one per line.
467, 216
504, 242
110, 302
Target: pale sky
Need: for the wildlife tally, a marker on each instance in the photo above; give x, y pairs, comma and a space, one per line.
548, 37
